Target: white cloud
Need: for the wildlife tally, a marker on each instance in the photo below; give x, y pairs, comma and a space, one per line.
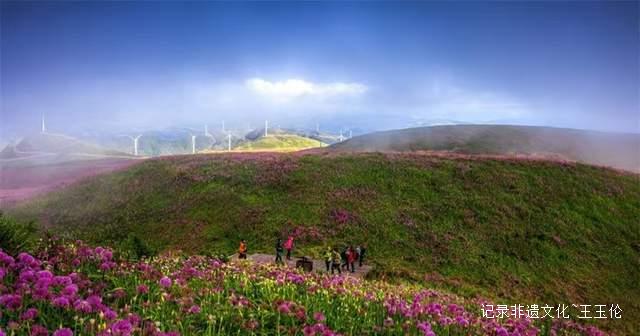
294, 88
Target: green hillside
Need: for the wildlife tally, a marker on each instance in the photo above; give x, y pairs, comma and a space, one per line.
279, 142
518, 231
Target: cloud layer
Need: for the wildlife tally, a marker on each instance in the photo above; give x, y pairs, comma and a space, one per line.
294, 88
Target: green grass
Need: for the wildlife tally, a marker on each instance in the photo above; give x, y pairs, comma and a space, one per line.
516, 231
280, 142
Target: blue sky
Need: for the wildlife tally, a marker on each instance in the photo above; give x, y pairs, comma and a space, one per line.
373, 65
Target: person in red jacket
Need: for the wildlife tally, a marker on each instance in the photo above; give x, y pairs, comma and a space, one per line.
288, 245
352, 256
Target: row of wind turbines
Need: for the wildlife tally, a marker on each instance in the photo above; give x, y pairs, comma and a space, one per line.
135, 139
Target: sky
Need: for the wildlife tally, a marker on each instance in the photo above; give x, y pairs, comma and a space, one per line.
361, 65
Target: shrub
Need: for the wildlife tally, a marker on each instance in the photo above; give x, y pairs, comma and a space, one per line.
16, 237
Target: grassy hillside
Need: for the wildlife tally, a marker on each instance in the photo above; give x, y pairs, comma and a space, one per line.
607, 149
279, 142
517, 231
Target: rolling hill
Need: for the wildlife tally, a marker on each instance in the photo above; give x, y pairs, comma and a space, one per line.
514, 230
279, 143
620, 151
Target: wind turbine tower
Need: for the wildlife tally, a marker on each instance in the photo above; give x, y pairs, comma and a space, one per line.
229, 142
44, 128
350, 134
266, 128
341, 137
193, 143
206, 130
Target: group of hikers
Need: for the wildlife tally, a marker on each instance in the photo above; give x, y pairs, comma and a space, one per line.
334, 260
288, 245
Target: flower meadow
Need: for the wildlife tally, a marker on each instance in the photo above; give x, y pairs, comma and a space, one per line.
74, 289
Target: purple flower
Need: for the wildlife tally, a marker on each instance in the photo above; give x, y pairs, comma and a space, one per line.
70, 290
26, 258
82, 306
11, 301
109, 314
318, 316
61, 302
121, 328
142, 289
63, 332
95, 301
284, 308
62, 280
165, 282
195, 309
38, 330
44, 274
30, 314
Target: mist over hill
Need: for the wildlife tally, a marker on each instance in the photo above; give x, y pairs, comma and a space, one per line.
616, 150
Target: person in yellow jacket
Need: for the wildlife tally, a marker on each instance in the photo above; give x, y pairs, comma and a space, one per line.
242, 250
337, 258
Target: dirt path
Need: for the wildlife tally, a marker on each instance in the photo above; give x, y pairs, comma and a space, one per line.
318, 265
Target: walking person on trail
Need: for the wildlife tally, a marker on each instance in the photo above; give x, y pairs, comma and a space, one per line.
279, 251
328, 258
288, 245
361, 254
343, 257
336, 262
351, 259
242, 250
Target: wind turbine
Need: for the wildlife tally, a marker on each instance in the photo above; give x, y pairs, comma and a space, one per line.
350, 134
44, 128
135, 143
341, 137
228, 142
206, 131
266, 128
193, 143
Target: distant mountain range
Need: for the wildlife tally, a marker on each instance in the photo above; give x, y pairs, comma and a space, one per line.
620, 151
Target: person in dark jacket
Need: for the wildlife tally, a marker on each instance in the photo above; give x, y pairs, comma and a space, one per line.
343, 257
279, 251
328, 258
361, 255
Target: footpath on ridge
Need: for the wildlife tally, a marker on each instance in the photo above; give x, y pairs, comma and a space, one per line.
318, 265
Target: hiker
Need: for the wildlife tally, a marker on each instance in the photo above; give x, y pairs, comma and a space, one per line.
351, 259
336, 262
288, 245
328, 258
361, 254
242, 250
343, 257
358, 252
279, 251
